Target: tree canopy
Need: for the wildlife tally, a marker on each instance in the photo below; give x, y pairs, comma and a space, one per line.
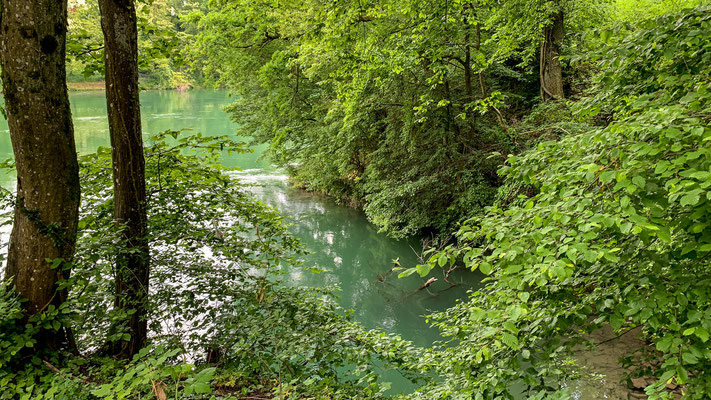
559, 149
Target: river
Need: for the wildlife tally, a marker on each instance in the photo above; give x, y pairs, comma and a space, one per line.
355, 256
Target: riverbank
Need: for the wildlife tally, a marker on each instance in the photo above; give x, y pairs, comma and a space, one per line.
86, 86
101, 85
610, 363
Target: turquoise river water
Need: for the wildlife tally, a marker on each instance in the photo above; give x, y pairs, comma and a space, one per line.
355, 256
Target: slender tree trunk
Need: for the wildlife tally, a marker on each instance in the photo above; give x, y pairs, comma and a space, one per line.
452, 126
118, 22
551, 72
467, 65
478, 47
32, 57
482, 86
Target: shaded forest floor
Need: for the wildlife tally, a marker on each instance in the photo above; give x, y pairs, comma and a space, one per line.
609, 375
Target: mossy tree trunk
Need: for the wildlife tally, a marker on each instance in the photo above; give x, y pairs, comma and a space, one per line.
551, 72
32, 58
118, 22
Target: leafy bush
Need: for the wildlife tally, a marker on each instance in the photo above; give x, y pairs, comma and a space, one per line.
12, 337
616, 232
396, 117
215, 296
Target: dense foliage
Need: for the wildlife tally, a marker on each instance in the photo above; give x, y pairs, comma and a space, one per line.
598, 215
612, 230
389, 105
215, 296
161, 38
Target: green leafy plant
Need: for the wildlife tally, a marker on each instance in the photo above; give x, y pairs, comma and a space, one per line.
615, 232
216, 296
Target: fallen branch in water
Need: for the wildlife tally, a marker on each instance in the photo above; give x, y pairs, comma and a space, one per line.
427, 284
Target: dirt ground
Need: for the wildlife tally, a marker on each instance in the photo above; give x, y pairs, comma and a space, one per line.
603, 360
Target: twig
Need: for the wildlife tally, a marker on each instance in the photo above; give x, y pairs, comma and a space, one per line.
57, 371
616, 337
427, 284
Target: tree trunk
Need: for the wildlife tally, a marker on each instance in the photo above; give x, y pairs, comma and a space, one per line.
478, 48
551, 72
467, 65
32, 58
452, 128
118, 22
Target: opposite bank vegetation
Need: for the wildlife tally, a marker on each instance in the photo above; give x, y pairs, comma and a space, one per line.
436, 117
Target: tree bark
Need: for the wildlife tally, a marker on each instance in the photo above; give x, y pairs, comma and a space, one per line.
32, 58
452, 126
468, 64
478, 48
118, 22
551, 72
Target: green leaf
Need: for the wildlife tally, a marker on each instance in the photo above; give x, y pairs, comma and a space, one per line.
103, 391
485, 268
681, 375
689, 358
407, 272
509, 326
442, 261
666, 376
616, 321
701, 175
524, 296
206, 374
691, 199
510, 340
702, 333
625, 201
607, 176
605, 35
201, 387
590, 256
422, 269
664, 235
